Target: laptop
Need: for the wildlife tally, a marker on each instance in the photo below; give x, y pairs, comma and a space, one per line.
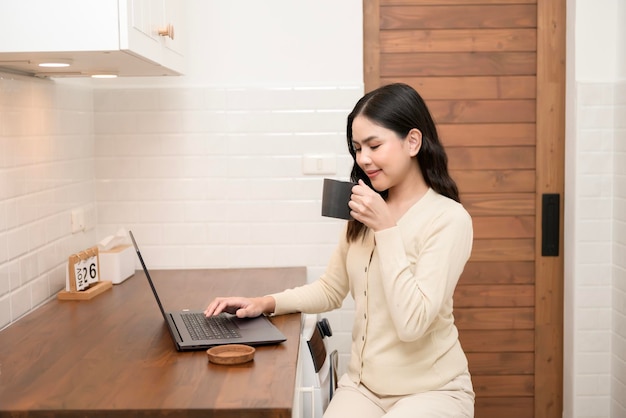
191, 330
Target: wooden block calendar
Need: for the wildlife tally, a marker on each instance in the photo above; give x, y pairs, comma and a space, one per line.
83, 276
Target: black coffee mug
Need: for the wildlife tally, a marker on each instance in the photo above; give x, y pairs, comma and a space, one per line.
335, 198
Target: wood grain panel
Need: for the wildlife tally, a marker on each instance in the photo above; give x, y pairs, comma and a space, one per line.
503, 204
504, 227
492, 158
494, 318
551, 44
497, 386
494, 181
518, 407
458, 64
458, 16
494, 296
501, 363
452, 2
498, 272
371, 44
487, 134
503, 250
481, 111
459, 88
497, 341
460, 40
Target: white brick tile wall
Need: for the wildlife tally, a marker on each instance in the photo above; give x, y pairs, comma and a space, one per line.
594, 406
600, 327
594, 229
46, 170
231, 163
618, 360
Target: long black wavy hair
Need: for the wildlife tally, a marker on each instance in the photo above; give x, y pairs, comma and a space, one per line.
399, 108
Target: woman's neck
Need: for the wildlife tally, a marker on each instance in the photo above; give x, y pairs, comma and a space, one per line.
405, 194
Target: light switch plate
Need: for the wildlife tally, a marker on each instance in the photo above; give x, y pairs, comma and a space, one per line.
319, 164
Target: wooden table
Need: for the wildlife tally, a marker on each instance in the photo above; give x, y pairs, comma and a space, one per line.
113, 356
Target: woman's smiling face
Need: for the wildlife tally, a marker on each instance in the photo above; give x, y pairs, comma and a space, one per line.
384, 156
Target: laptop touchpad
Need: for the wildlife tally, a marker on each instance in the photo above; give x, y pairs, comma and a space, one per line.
244, 323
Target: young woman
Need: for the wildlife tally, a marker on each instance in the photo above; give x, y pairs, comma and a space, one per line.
400, 259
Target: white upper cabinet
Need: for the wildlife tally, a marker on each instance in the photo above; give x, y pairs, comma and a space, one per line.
123, 37
154, 27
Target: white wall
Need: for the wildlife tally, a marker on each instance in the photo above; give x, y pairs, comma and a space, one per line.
595, 331
277, 43
596, 36
618, 343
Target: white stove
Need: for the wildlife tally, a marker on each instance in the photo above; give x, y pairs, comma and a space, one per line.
316, 374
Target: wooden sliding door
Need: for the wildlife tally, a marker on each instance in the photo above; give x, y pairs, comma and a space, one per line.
493, 75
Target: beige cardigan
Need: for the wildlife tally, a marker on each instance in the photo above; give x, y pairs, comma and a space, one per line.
402, 280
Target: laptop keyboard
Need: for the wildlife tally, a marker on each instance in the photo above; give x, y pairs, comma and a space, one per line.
216, 327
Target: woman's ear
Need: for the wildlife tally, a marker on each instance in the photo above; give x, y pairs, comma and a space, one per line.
414, 140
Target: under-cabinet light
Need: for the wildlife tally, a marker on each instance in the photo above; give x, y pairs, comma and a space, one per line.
56, 63
104, 76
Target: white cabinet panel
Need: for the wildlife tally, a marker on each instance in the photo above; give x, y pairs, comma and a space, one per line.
129, 37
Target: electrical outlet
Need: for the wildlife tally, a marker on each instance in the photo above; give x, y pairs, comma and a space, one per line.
78, 220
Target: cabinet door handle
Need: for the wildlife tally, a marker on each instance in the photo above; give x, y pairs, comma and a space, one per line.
167, 31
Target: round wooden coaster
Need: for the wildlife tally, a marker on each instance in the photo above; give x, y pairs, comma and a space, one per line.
230, 354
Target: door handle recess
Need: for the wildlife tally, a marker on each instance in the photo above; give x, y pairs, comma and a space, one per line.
550, 224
